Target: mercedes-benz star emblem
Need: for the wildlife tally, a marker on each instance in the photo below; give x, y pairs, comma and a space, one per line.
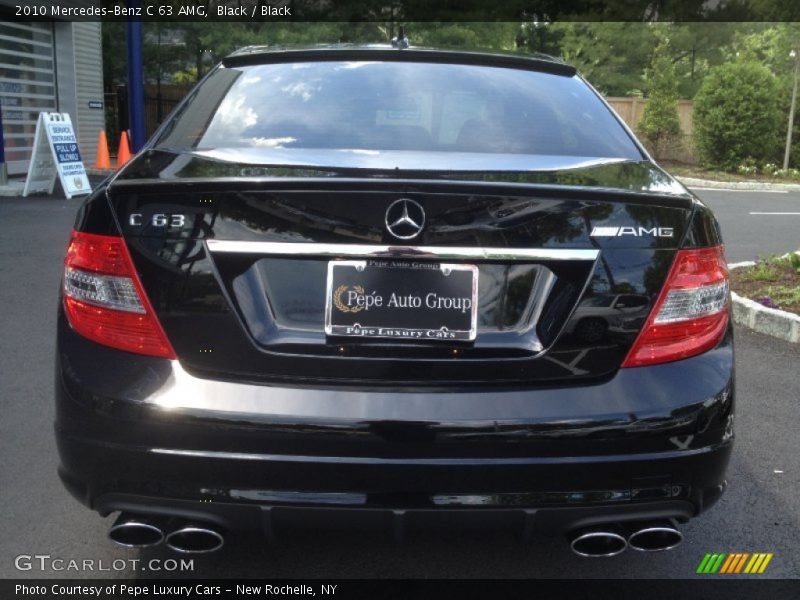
405, 219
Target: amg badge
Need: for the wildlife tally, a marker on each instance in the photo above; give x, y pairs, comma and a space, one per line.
666, 232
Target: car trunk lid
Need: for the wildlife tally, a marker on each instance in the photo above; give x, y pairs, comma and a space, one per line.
238, 271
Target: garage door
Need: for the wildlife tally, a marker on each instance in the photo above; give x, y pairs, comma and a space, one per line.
27, 86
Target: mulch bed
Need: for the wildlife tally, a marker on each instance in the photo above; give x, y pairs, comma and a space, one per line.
745, 282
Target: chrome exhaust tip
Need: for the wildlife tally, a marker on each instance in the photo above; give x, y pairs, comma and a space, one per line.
136, 531
596, 543
195, 539
655, 537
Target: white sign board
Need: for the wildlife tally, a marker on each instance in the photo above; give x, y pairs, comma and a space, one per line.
55, 152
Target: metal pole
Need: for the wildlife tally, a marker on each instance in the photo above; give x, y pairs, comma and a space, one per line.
135, 80
791, 112
159, 110
3, 167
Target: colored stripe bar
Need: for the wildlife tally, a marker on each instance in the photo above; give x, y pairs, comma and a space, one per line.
703, 563
717, 563
729, 563
752, 563
741, 562
766, 562
757, 564
710, 564
734, 563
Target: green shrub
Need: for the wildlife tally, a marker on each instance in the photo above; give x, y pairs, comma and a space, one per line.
783, 294
748, 167
737, 115
765, 269
770, 169
660, 125
794, 260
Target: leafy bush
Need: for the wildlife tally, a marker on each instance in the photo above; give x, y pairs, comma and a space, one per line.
794, 260
783, 295
747, 167
765, 269
737, 115
770, 169
660, 125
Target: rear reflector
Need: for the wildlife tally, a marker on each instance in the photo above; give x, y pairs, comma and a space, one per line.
104, 299
691, 314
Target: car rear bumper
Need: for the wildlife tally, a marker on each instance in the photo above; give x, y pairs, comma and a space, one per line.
143, 435
268, 493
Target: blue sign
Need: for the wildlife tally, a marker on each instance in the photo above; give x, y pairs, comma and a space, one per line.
67, 153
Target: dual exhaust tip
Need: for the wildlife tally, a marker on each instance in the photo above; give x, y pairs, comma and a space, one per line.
137, 531
613, 540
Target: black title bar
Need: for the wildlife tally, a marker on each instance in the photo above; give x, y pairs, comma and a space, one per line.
398, 11
149, 589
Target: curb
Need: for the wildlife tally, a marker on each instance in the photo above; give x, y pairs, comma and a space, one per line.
739, 185
99, 172
769, 321
12, 189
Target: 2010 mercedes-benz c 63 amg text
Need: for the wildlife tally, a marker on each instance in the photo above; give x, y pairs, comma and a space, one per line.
400, 286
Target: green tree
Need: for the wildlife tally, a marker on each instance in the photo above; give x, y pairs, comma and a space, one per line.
465, 35
615, 55
697, 47
612, 56
770, 44
204, 45
115, 64
736, 115
660, 126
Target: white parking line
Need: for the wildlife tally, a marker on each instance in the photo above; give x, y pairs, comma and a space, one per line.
707, 189
775, 213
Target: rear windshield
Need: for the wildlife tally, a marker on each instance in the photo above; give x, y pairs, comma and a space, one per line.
398, 106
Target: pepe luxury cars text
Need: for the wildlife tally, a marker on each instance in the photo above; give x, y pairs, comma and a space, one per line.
401, 286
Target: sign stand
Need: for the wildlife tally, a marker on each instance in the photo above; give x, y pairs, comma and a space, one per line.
55, 152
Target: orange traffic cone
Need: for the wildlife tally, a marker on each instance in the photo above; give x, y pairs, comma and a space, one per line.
124, 152
103, 161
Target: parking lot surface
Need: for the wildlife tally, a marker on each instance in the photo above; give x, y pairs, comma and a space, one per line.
759, 513
755, 223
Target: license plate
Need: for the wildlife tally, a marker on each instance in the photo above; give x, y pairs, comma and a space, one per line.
402, 299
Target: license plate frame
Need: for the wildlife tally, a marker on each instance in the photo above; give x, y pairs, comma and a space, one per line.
374, 277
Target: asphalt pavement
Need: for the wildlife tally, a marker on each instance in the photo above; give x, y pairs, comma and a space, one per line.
755, 223
760, 512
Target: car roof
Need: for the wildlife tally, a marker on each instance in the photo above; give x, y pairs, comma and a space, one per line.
252, 55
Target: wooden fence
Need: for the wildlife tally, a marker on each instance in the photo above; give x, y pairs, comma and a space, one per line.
631, 110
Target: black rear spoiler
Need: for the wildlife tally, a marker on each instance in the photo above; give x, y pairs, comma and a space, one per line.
264, 55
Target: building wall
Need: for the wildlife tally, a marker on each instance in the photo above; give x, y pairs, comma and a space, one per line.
49, 67
65, 68
27, 86
88, 48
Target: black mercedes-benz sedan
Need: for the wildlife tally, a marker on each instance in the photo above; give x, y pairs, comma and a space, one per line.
395, 287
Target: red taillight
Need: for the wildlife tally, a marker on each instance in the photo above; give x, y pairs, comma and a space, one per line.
104, 299
691, 313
